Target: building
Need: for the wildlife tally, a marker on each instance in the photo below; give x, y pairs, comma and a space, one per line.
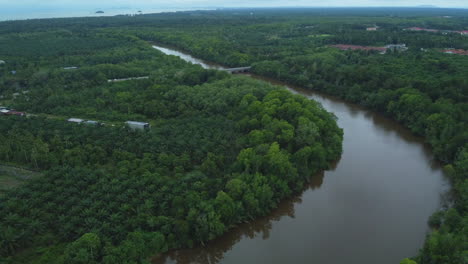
75, 120
70, 68
415, 29
398, 47
91, 122
15, 113
372, 28
2, 62
422, 29
445, 32
137, 125
6, 111
455, 51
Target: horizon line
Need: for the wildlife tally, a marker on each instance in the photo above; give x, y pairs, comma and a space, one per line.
212, 8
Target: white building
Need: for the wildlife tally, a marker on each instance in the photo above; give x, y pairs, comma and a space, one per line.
75, 120
137, 125
91, 122
399, 47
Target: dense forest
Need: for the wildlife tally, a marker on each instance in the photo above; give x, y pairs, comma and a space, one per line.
222, 149
423, 88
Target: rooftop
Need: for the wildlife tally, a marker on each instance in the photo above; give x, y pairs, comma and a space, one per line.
75, 120
137, 123
455, 51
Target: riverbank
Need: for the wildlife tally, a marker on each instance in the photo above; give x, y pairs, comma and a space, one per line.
385, 171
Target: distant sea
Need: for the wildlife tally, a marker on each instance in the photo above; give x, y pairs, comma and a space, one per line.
34, 13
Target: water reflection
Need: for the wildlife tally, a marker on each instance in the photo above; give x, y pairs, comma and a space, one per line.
339, 107
371, 207
213, 252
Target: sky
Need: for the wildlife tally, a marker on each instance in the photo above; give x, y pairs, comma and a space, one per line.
18, 4
27, 9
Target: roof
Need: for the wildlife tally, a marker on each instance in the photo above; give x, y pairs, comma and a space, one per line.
2, 62
456, 51
137, 123
16, 113
91, 122
400, 47
76, 120
415, 28
422, 29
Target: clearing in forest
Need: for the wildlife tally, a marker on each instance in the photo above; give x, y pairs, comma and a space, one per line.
11, 177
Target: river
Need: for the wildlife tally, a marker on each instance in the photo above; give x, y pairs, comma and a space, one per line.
372, 207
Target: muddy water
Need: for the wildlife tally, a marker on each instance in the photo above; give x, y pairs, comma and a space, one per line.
372, 207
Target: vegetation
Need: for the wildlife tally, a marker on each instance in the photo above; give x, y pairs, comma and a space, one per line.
222, 149
11, 177
422, 88
263, 142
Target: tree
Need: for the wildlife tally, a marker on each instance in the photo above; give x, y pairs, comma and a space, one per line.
408, 261
227, 208
85, 250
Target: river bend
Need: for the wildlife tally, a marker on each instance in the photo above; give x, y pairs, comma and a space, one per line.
372, 207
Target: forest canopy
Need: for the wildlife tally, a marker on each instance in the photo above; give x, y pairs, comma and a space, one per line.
221, 150
420, 81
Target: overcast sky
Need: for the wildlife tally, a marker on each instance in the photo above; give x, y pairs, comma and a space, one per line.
223, 3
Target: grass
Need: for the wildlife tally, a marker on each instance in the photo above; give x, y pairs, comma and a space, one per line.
11, 177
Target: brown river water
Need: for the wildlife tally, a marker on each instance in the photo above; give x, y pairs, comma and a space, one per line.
372, 207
